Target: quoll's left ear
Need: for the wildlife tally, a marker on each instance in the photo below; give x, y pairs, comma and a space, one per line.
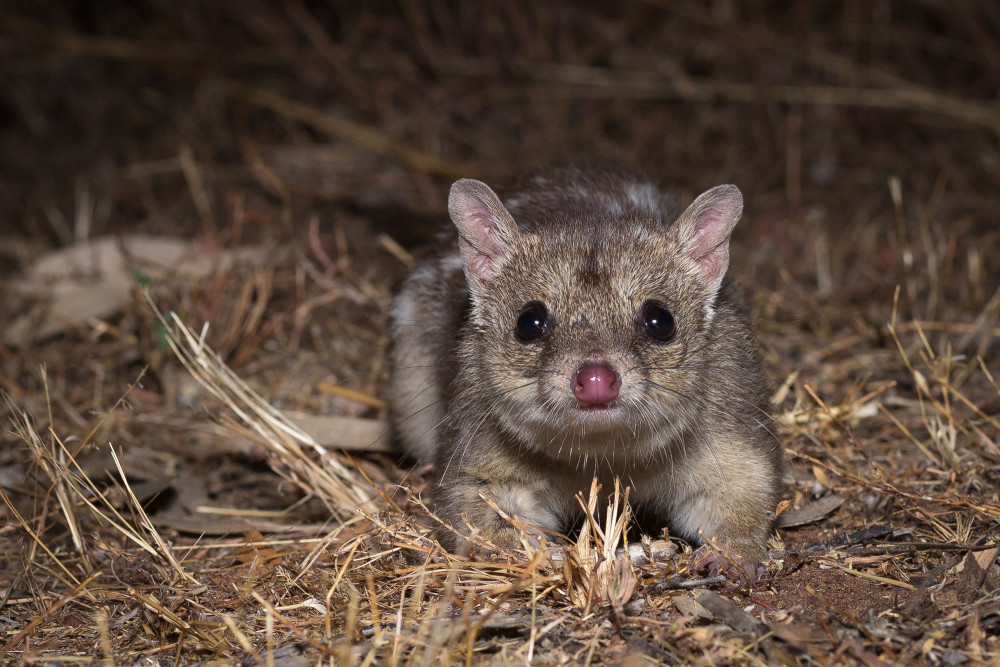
486, 230
704, 229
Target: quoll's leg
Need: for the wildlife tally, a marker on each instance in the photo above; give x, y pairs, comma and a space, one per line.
461, 503
736, 513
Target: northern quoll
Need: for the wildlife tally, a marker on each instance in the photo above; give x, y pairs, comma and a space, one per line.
583, 326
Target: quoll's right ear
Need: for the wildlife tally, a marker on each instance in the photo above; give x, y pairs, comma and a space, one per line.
486, 230
704, 229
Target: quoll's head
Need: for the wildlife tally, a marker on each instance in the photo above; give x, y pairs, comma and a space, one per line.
594, 324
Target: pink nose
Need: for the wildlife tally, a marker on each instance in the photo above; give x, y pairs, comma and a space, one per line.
596, 384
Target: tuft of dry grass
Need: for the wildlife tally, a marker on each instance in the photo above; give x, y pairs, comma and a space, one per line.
328, 477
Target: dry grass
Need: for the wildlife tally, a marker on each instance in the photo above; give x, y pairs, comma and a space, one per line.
160, 504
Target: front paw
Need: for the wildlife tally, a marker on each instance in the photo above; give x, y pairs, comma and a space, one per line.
739, 570
494, 534
490, 515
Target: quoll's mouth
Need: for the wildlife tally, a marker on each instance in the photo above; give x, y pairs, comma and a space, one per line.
595, 418
596, 407
595, 414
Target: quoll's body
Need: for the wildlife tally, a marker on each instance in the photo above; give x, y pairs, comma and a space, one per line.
583, 327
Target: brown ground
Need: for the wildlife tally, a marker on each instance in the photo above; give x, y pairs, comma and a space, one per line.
863, 135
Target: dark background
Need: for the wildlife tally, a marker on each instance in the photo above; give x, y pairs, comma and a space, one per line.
242, 121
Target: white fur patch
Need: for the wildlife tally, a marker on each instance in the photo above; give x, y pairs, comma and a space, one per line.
525, 504
644, 196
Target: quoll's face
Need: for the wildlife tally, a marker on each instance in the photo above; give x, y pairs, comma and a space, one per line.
596, 337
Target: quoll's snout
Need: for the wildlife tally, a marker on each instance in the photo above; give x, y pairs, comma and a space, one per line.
596, 384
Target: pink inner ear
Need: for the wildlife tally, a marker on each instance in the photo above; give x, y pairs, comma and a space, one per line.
477, 242
480, 227
712, 218
715, 262
476, 262
713, 226
711, 243
485, 228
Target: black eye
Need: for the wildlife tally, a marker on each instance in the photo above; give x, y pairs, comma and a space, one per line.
533, 322
657, 321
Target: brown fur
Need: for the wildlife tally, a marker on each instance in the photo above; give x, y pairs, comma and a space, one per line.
498, 415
